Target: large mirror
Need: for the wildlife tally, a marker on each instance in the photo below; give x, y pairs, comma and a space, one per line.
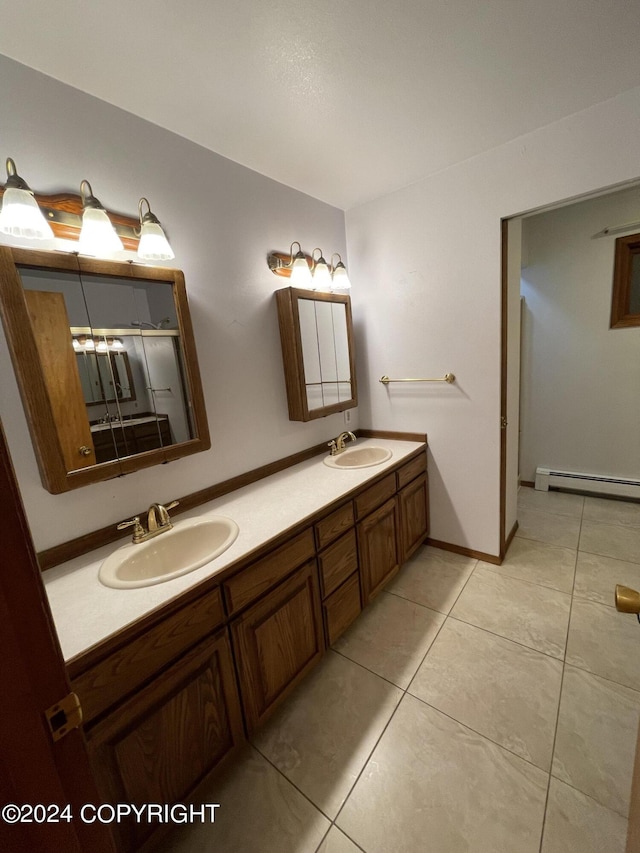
106, 364
316, 331
625, 303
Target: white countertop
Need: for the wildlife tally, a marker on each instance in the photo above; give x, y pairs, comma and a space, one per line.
86, 612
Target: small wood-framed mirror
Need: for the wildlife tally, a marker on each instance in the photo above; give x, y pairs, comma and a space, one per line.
106, 364
316, 332
625, 303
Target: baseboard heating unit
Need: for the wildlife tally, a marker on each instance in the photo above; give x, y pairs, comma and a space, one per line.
548, 478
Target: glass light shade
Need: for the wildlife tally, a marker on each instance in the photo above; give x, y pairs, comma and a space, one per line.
321, 276
21, 217
98, 236
117, 344
76, 345
102, 346
153, 245
340, 278
90, 344
301, 274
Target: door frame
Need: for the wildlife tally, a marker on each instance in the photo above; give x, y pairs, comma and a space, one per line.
33, 677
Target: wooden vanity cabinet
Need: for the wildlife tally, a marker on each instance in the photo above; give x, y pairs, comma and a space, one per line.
276, 642
413, 504
379, 549
164, 705
338, 567
158, 745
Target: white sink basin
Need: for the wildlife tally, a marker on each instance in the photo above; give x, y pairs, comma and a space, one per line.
187, 546
358, 457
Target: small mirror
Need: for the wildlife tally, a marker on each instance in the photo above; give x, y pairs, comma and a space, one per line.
105, 359
625, 304
317, 348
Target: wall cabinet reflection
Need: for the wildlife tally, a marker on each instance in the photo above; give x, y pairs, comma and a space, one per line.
110, 380
318, 355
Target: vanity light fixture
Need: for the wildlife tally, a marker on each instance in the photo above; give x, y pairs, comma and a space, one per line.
339, 276
321, 274
98, 236
153, 245
20, 215
300, 272
294, 267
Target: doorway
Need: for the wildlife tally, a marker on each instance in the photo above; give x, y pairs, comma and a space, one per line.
575, 361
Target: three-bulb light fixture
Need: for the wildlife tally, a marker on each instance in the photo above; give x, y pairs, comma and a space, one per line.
310, 272
21, 216
88, 343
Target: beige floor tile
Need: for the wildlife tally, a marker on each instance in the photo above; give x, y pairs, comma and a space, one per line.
260, 812
548, 527
611, 540
596, 577
432, 784
560, 503
500, 689
605, 642
538, 562
610, 511
337, 842
391, 637
323, 735
597, 722
433, 578
575, 823
527, 613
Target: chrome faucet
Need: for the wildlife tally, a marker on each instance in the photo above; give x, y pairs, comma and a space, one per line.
158, 521
337, 444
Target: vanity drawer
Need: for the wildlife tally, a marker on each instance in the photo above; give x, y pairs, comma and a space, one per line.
375, 496
126, 669
253, 581
334, 525
337, 562
341, 608
411, 470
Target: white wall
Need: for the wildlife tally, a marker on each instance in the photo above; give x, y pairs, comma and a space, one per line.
222, 220
581, 379
425, 263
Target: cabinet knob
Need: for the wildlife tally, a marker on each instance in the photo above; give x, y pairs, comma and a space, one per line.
84, 450
627, 600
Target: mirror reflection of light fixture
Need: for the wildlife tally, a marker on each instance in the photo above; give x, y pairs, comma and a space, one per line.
153, 245
98, 236
339, 276
321, 274
20, 215
87, 343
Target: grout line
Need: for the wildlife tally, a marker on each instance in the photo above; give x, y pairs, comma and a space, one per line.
505, 574
510, 639
564, 666
485, 736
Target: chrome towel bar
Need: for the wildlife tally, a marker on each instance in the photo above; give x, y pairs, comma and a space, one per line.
448, 377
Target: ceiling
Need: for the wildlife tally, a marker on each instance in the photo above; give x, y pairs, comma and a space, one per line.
345, 100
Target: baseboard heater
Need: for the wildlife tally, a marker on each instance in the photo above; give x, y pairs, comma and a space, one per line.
548, 478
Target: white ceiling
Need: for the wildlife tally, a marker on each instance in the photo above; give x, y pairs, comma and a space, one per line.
343, 99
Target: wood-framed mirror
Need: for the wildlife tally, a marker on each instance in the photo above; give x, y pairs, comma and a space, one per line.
106, 364
316, 332
625, 302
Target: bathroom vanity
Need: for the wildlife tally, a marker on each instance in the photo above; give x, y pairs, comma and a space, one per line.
172, 677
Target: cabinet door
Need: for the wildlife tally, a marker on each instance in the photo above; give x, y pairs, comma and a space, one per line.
276, 642
414, 515
158, 746
379, 549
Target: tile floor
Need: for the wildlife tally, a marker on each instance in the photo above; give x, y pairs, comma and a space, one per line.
472, 708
